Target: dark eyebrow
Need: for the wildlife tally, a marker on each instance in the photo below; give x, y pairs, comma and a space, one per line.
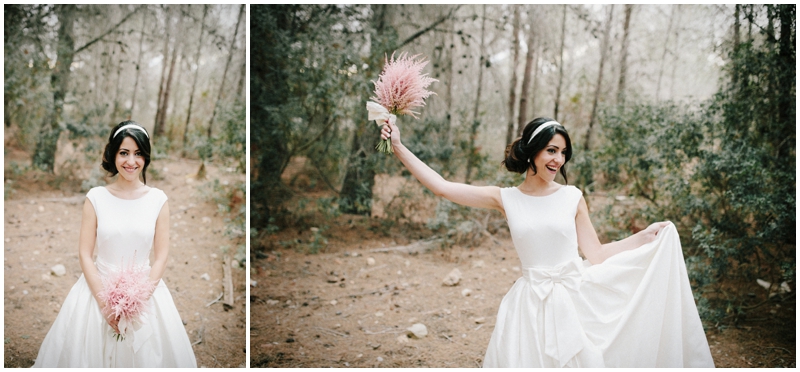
552, 146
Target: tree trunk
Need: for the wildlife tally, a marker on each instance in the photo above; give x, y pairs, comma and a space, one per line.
535, 91
561, 62
161, 124
675, 55
158, 129
526, 76
512, 95
736, 41
45, 155
115, 113
138, 69
664, 54
194, 83
473, 134
598, 88
787, 106
623, 61
225, 72
356, 195
240, 92
451, 79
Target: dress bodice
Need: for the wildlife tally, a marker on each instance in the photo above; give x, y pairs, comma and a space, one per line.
125, 228
543, 227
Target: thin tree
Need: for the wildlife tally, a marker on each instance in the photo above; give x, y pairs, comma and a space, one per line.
666, 50
512, 95
561, 62
196, 71
675, 54
138, 67
623, 59
475, 120
526, 76
598, 87
158, 129
115, 112
47, 143
225, 72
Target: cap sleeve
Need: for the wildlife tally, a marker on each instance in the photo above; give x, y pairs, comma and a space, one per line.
575, 195
160, 198
93, 195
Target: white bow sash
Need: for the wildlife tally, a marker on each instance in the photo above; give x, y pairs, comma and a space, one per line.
563, 331
380, 114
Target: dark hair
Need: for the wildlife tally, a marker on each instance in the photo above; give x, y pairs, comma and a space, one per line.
520, 153
114, 142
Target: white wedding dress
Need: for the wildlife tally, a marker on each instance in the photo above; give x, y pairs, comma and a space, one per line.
633, 310
80, 336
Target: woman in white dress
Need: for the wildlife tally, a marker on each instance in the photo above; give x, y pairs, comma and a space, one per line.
628, 305
124, 220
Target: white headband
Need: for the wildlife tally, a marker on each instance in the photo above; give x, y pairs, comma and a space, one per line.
128, 126
541, 127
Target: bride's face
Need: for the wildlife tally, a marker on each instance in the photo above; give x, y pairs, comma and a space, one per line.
551, 158
129, 160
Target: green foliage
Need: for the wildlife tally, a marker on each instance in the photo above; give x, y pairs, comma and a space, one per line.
306, 64
724, 172
230, 201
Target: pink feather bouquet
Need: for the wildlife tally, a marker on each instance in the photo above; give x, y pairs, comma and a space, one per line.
126, 294
400, 87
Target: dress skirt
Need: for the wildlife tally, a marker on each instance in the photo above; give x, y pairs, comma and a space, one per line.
636, 309
80, 336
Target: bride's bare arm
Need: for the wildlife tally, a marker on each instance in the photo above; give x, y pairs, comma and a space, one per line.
160, 245
86, 242
590, 245
469, 195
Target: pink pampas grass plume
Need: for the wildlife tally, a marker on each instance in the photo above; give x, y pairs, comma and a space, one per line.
126, 294
402, 86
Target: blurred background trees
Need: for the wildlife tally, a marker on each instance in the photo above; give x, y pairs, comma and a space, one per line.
683, 112
73, 71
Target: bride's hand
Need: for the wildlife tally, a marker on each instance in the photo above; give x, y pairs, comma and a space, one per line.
391, 130
110, 318
649, 234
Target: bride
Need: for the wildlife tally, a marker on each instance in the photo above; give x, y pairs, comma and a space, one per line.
123, 220
629, 305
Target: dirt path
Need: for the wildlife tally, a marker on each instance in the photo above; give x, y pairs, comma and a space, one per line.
341, 309
41, 230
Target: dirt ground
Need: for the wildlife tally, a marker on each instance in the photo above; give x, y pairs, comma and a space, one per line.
41, 230
350, 305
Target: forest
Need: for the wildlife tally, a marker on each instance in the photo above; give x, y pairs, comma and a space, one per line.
73, 72
684, 113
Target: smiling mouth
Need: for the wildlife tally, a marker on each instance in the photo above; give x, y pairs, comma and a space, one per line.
551, 168
130, 169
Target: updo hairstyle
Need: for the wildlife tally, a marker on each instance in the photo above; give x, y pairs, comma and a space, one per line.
114, 142
520, 154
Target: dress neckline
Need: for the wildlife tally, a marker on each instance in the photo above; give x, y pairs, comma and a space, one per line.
541, 196
117, 197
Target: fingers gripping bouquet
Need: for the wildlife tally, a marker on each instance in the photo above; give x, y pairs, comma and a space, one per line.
400, 87
125, 294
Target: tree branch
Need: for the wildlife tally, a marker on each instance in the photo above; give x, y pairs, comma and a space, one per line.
431, 27
107, 32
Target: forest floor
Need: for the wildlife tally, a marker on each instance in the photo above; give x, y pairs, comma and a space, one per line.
42, 223
349, 305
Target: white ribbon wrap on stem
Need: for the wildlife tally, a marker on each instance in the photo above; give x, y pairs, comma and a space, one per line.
380, 114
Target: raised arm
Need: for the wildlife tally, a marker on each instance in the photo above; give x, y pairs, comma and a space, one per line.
590, 245
160, 245
459, 193
86, 243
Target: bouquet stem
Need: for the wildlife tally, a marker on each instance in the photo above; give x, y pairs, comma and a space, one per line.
385, 146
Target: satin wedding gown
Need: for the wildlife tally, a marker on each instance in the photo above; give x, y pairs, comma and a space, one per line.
633, 310
80, 336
